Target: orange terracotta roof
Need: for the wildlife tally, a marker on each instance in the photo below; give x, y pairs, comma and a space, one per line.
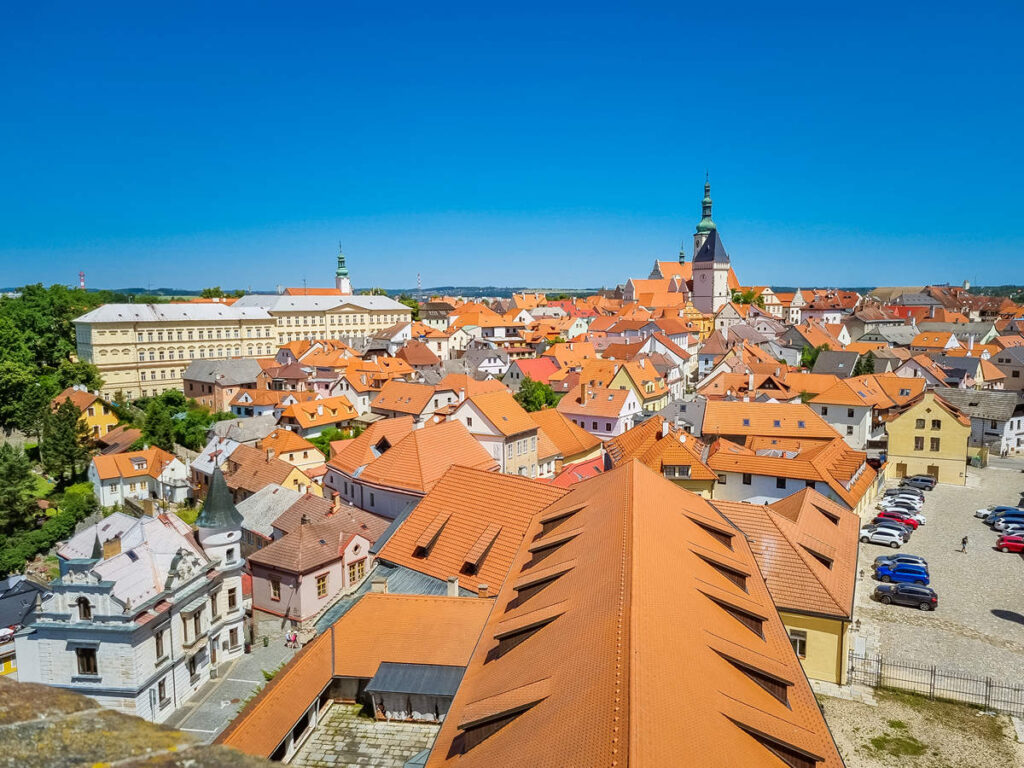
403, 397
601, 402
438, 534
82, 399
806, 549
726, 383
571, 354
308, 547
284, 440
658, 448
148, 463
417, 353
569, 439
724, 417
264, 397
863, 347
405, 629
417, 461
502, 410
349, 455
462, 382
250, 469
881, 391
932, 340
575, 665
315, 413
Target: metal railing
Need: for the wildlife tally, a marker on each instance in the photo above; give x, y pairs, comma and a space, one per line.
937, 683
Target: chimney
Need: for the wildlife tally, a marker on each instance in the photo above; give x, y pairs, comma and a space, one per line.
304, 520
583, 393
270, 454
482, 590
750, 383
462, 394
642, 362
664, 428
319, 410
970, 343
379, 585
147, 507
453, 586
111, 547
335, 502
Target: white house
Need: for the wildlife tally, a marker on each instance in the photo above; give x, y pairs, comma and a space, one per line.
143, 612
603, 413
152, 473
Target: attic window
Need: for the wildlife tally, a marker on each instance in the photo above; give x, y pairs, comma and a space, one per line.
776, 686
736, 577
834, 519
721, 537
132, 556
554, 519
510, 639
545, 547
776, 423
477, 553
430, 534
826, 561
749, 620
488, 716
788, 754
801, 424
531, 588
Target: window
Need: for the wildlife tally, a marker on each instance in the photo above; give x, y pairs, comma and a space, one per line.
919, 424
934, 444
197, 623
747, 479
824, 410
469, 421
86, 661
780, 482
798, 638
161, 692
918, 443
608, 427
849, 413
371, 500
1014, 374
321, 585
233, 638
84, 609
936, 424
593, 425
849, 429
214, 613
159, 638
275, 589
232, 599
356, 571
229, 556
721, 478
193, 667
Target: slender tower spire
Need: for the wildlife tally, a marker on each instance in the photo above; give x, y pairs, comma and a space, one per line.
706, 225
341, 280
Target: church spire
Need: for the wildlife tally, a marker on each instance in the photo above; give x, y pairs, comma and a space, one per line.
706, 224
342, 270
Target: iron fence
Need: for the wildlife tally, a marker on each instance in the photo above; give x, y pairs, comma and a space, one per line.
937, 683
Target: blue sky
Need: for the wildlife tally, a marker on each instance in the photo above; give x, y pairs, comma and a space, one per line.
226, 143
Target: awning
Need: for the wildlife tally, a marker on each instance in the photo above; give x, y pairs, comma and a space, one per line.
424, 679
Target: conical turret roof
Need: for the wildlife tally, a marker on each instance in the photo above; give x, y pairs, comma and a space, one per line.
219, 511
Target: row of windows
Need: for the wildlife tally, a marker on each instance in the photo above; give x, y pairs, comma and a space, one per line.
191, 334
343, 319
521, 447
936, 424
164, 374
934, 444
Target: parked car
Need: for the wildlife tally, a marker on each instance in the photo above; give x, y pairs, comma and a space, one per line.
1013, 529
898, 517
992, 517
903, 574
924, 598
924, 482
1001, 523
893, 525
904, 497
1010, 543
905, 490
886, 536
921, 519
897, 503
984, 513
891, 560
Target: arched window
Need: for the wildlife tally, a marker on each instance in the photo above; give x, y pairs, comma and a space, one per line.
84, 609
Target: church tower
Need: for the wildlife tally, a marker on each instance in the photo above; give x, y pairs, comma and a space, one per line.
706, 225
341, 281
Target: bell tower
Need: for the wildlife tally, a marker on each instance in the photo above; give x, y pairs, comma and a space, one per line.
706, 225
341, 281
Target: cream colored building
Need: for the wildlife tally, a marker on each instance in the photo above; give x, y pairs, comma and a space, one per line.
143, 349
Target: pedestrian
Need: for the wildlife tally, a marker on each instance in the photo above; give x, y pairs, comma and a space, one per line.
963, 544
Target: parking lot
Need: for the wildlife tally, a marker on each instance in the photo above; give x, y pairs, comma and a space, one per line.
979, 625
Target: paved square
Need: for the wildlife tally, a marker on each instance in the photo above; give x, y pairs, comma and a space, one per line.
347, 738
979, 625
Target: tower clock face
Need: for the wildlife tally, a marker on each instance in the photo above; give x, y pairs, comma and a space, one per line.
704, 277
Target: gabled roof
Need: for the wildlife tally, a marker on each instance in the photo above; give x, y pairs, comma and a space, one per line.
283, 440
462, 382
806, 549
310, 546
538, 369
796, 420
502, 410
984, 404
657, 445
150, 462
404, 397
575, 666
349, 455
601, 402
316, 413
250, 469
417, 353
468, 511
568, 438
224, 373
80, 396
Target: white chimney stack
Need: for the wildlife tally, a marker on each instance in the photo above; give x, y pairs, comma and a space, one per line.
453, 586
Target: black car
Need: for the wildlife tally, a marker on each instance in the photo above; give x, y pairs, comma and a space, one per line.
924, 482
925, 598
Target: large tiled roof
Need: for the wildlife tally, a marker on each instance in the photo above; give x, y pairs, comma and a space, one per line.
876, 391
349, 455
417, 461
404, 397
502, 410
315, 413
309, 546
576, 666
284, 440
462, 382
796, 420
170, 313
806, 549
229, 372
250, 469
605, 403
404, 629
658, 446
569, 439
81, 397
261, 509
469, 525
150, 462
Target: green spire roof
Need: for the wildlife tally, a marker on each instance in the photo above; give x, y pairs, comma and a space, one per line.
219, 510
342, 270
706, 224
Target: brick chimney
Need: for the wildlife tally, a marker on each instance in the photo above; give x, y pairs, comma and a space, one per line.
482, 590
335, 502
112, 547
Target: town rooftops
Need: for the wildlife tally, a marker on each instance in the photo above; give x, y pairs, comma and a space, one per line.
317, 413
282, 441
468, 526
349, 455
712, 250
595, 401
309, 546
984, 404
726, 417
229, 372
261, 509
576, 666
569, 439
404, 397
501, 409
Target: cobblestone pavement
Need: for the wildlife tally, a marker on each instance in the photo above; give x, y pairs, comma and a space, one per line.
979, 625
345, 738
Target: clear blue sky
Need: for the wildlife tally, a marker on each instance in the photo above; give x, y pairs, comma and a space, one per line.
184, 145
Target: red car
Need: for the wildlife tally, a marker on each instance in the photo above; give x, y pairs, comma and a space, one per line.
898, 518
1010, 543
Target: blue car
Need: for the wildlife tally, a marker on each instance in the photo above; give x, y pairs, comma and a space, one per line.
903, 573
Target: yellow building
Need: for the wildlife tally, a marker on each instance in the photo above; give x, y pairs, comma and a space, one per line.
143, 349
928, 436
647, 384
806, 548
96, 413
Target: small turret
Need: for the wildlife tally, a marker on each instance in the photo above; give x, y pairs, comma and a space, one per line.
341, 281
220, 524
705, 226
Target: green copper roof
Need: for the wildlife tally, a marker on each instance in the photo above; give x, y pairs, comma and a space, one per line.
219, 510
706, 224
342, 270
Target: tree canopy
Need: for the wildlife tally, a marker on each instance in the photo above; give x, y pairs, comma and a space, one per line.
749, 296
412, 304
865, 365
809, 355
64, 449
535, 395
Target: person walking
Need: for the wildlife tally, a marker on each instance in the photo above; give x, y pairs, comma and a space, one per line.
963, 544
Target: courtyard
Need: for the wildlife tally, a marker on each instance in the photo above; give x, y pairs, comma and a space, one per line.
978, 628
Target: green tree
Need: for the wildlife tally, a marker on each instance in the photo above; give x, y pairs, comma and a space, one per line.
324, 439
35, 407
535, 395
69, 373
64, 448
159, 427
15, 379
17, 488
212, 293
748, 297
809, 355
865, 365
412, 304
373, 292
